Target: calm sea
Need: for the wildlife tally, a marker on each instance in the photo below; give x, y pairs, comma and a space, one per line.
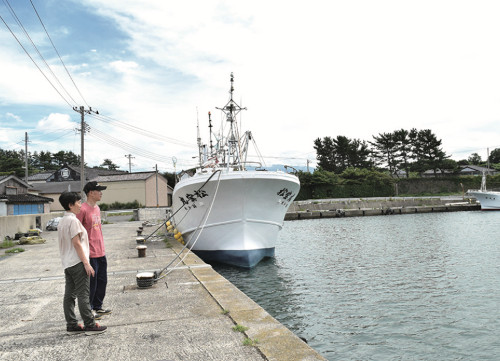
401, 287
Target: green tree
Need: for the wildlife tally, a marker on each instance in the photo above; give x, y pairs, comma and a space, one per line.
429, 152
475, 159
170, 178
11, 162
405, 154
108, 163
495, 156
338, 154
384, 151
65, 157
325, 154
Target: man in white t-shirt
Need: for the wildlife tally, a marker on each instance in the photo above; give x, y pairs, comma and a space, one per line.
74, 251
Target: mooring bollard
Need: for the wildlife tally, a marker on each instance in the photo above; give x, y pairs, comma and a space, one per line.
141, 250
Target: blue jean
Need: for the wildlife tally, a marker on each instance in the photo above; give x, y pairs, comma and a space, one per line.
77, 287
98, 282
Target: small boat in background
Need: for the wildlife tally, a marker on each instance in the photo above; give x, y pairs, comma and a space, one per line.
489, 200
230, 210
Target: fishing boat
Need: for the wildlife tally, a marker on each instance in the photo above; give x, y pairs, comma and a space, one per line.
489, 200
228, 209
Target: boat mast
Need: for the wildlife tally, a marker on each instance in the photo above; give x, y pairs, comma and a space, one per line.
210, 127
231, 110
199, 137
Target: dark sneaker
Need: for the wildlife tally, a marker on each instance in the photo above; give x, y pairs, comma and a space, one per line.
94, 330
102, 312
97, 316
73, 330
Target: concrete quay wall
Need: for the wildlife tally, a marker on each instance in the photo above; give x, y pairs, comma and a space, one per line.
376, 207
187, 315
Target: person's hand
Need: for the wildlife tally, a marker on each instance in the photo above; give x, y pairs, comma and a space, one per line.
89, 269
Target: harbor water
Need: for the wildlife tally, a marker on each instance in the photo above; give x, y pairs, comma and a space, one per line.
400, 287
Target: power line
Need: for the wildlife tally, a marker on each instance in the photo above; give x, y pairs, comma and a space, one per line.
21, 26
132, 128
64, 65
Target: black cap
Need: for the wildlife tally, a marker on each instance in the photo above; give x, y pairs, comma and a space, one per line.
93, 186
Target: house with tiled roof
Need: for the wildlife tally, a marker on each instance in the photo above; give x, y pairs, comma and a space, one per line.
15, 198
150, 189
123, 187
470, 169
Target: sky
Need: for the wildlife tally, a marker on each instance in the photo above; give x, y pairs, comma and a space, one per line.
304, 70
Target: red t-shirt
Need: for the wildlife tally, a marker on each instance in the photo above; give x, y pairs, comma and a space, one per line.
91, 220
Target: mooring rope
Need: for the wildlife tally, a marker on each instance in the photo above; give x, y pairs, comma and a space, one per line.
157, 274
207, 214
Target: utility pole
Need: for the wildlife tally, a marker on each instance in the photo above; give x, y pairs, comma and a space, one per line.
129, 156
174, 160
26, 156
83, 129
488, 159
156, 168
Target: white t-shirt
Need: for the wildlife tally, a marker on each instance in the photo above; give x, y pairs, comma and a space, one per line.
69, 227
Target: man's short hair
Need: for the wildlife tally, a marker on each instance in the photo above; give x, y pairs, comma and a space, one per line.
68, 198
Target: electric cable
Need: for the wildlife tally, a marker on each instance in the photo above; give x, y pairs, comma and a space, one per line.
21, 26
55, 49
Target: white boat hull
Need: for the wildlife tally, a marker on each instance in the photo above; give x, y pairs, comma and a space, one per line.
241, 225
489, 200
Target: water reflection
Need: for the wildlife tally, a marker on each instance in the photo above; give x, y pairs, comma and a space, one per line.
423, 286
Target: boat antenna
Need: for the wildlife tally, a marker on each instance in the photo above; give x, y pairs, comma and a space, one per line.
231, 110
210, 127
199, 136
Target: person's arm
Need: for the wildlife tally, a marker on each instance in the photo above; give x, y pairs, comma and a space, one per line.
81, 254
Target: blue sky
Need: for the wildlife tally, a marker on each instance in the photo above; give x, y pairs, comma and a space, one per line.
303, 69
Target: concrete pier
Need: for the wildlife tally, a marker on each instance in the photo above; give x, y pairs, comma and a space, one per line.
188, 315
336, 208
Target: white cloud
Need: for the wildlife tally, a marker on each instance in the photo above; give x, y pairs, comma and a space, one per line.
127, 67
304, 70
56, 121
13, 116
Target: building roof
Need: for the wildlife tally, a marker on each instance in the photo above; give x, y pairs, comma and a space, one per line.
40, 176
91, 173
56, 187
125, 177
476, 168
5, 178
128, 177
25, 198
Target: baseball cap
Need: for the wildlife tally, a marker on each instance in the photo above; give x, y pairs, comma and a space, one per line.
93, 186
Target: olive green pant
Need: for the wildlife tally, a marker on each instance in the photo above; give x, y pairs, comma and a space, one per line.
77, 287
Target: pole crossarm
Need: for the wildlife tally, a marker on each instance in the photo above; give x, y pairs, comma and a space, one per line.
83, 128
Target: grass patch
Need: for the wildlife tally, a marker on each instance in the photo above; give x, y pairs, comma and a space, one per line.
224, 311
7, 243
106, 222
167, 242
240, 328
15, 250
249, 342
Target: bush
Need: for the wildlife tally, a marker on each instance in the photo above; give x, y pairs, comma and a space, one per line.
119, 205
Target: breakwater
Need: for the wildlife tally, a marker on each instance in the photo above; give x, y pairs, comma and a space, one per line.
359, 207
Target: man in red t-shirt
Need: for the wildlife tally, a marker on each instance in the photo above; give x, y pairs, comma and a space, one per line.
90, 216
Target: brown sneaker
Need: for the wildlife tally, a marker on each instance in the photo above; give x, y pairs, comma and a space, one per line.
73, 330
94, 330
